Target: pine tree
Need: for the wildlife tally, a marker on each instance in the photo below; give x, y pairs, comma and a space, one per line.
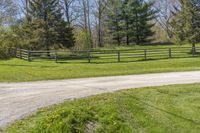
49, 30
126, 20
132, 20
141, 15
114, 21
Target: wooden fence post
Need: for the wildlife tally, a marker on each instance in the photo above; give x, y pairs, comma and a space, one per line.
170, 53
118, 52
56, 57
89, 57
145, 54
29, 54
193, 51
20, 53
16, 52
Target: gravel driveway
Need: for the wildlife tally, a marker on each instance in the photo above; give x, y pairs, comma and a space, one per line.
18, 100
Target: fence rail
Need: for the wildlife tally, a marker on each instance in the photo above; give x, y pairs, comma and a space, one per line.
108, 55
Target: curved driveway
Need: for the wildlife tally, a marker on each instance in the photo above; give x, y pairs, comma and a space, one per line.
18, 100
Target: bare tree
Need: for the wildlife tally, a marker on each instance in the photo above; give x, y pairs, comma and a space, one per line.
71, 10
101, 6
165, 14
8, 10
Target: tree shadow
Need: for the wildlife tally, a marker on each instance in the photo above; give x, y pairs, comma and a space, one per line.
162, 110
38, 66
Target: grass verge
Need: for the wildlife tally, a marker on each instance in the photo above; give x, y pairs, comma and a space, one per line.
16, 70
163, 109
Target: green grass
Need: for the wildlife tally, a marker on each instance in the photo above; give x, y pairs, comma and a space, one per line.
167, 109
149, 46
16, 70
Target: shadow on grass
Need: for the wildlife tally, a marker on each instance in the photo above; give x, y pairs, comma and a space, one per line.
158, 44
54, 63
38, 66
162, 110
122, 61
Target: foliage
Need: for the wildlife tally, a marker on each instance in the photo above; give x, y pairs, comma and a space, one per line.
8, 39
186, 24
83, 40
153, 109
132, 20
8, 11
114, 21
45, 28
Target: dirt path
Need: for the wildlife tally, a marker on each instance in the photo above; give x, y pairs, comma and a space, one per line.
18, 100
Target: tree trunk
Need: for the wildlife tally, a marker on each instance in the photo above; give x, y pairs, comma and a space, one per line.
127, 34
99, 30
89, 25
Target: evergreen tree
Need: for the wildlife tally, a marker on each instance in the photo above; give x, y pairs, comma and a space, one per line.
140, 16
114, 21
47, 26
132, 20
186, 24
126, 20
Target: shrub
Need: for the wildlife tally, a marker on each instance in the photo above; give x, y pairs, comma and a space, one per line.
4, 52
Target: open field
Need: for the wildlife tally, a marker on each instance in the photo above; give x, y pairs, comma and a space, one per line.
155, 109
15, 70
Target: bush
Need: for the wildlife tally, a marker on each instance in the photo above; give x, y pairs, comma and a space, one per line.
8, 39
4, 52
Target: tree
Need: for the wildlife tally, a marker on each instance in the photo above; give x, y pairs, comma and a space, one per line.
126, 19
165, 15
101, 6
47, 26
141, 15
114, 20
69, 10
186, 24
8, 10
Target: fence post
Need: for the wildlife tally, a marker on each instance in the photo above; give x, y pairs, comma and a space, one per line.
56, 57
15, 52
170, 53
89, 56
193, 51
29, 54
20, 53
9, 51
145, 54
118, 52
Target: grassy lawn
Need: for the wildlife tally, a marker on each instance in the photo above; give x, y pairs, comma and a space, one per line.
167, 109
150, 46
18, 70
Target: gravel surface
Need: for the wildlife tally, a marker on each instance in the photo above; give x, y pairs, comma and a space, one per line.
18, 100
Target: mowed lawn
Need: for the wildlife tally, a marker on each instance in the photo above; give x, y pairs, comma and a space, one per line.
167, 109
15, 70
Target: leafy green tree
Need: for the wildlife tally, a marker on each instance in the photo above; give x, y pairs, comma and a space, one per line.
186, 24
8, 40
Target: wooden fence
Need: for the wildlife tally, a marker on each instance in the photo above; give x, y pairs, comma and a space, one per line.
109, 55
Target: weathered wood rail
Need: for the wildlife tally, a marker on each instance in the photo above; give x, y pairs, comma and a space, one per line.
108, 55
